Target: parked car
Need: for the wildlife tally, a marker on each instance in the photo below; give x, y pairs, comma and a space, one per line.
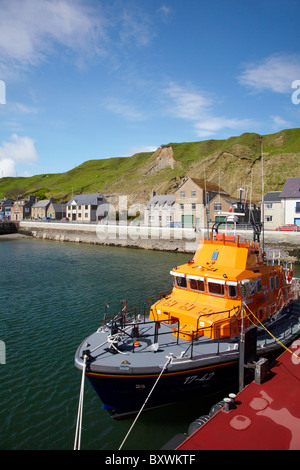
288, 228
65, 219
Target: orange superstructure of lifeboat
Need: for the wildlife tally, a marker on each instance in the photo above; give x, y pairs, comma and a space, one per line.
211, 291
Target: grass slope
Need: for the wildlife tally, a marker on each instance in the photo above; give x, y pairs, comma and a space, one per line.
231, 163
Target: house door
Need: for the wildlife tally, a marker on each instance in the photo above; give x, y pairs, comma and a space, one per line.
297, 221
73, 216
187, 220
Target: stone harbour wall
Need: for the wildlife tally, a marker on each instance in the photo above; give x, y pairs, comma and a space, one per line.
149, 238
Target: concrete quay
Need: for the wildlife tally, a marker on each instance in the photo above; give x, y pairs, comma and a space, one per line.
182, 240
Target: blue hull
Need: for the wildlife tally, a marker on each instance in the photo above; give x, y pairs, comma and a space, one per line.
122, 395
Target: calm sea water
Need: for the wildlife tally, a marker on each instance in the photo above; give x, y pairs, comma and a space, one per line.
52, 296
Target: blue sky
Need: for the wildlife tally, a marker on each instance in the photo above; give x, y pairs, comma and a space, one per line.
95, 79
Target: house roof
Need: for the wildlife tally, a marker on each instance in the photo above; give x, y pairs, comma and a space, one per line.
273, 196
291, 188
86, 199
42, 203
59, 207
211, 187
166, 200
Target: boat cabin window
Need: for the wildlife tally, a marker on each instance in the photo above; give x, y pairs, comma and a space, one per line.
276, 282
271, 283
258, 285
197, 285
216, 288
181, 282
243, 290
232, 291
251, 287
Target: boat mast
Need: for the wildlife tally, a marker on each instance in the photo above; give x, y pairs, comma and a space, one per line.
263, 190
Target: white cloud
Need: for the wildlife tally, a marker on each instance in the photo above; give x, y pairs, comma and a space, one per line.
279, 123
187, 103
198, 108
30, 29
20, 150
275, 73
33, 30
123, 108
211, 125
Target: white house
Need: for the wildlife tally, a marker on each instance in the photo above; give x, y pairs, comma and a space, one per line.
159, 211
273, 210
290, 198
87, 207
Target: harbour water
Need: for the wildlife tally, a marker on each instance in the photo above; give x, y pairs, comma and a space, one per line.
52, 296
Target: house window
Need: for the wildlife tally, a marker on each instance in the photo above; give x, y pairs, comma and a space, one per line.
86, 207
193, 206
181, 206
297, 207
86, 215
193, 194
269, 218
269, 205
217, 206
182, 194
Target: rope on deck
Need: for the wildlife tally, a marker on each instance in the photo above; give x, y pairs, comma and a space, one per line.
274, 337
77, 441
156, 382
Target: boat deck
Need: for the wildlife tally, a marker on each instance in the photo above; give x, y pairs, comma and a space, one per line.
265, 416
150, 357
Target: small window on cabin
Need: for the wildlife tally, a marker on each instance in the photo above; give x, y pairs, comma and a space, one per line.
197, 285
276, 282
243, 291
251, 287
232, 291
271, 283
181, 282
215, 288
258, 285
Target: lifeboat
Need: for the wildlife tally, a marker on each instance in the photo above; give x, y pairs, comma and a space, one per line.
187, 342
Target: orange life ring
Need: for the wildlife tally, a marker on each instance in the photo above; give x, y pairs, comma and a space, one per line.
290, 275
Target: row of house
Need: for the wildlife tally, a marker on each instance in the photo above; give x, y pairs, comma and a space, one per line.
195, 203
81, 208
282, 207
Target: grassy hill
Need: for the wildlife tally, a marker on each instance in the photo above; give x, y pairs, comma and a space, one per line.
232, 163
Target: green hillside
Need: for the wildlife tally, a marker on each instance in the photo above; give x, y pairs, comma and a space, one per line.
232, 163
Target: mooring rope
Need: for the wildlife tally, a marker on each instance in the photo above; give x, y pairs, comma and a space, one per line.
131, 427
274, 337
77, 441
